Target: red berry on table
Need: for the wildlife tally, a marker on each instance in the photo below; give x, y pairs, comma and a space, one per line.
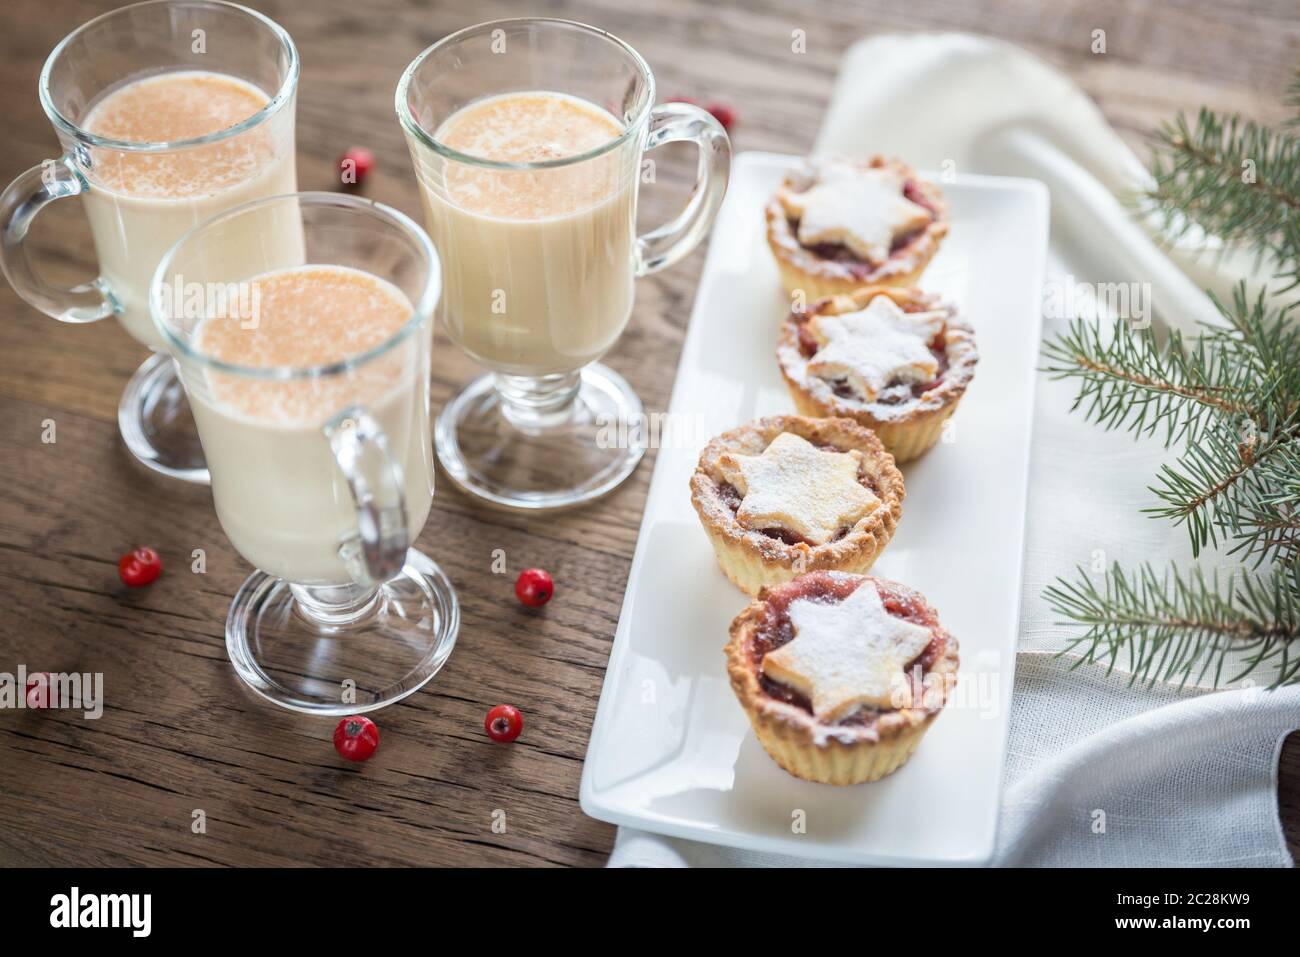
723, 113
355, 165
534, 587
139, 567
504, 723
356, 738
38, 690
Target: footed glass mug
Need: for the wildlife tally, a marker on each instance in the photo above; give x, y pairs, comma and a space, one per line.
168, 112
307, 367
528, 138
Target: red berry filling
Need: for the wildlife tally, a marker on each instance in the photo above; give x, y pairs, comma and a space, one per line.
776, 630
857, 267
912, 191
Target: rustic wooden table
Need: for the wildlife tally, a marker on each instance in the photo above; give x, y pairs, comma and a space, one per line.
179, 733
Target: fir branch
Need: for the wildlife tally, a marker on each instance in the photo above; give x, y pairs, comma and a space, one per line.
1127, 381
1213, 484
1233, 399
1292, 98
1233, 178
1181, 627
1269, 525
1260, 335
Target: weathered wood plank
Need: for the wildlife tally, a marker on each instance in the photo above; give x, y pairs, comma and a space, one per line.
178, 733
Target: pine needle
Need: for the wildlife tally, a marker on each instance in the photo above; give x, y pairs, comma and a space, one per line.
1229, 399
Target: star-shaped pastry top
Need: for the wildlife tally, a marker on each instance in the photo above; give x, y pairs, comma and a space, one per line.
863, 209
796, 486
876, 346
847, 655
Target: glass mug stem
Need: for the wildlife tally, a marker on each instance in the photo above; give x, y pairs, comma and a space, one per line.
533, 403
336, 607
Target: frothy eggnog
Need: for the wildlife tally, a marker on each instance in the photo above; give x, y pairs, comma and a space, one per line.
139, 203
537, 262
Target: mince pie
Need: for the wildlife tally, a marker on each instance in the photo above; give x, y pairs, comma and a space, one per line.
839, 225
786, 494
840, 675
894, 360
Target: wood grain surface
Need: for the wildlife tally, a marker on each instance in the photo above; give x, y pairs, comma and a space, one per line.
178, 733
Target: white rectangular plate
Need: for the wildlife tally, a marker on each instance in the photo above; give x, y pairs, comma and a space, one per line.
671, 751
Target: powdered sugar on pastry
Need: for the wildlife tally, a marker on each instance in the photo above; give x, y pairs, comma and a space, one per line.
863, 209
796, 486
875, 346
847, 655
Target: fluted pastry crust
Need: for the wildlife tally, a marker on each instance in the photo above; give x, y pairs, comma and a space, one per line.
908, 429
837, 753
752, 559
812, 276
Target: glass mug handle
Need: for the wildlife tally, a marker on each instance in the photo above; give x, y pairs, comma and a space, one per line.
21, 201
675, 123
378, 550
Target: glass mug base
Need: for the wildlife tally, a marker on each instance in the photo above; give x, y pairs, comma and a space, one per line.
337, 652
504, 443
156, 425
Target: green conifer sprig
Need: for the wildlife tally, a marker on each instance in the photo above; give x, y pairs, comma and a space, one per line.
1181, 626
1234, 179
1292, 98
1128, 380
1217, 480
1229, 399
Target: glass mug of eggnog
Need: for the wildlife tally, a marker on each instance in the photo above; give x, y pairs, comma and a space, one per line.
528, 139
168, 112
307, 366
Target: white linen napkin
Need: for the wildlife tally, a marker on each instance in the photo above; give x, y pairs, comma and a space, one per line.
1100, 771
